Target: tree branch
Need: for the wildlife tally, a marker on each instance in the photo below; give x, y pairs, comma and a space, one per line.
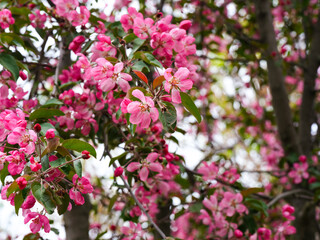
286, 194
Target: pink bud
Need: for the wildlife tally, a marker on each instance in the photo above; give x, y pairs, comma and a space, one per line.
37, 128
238, 233
312, 180
22, 182
50, 134
303, 158
118, 171
85, 154
23, 75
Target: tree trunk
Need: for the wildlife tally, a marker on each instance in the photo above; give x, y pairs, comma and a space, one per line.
77, 221
305, 222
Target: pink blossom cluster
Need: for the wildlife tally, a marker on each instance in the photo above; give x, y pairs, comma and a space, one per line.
6, 18
37, 19
11, 93
70, 9
79, 110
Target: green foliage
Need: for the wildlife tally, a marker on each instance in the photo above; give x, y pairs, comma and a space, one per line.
79, 146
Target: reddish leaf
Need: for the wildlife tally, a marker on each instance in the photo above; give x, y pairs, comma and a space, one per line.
157, 81
141, 76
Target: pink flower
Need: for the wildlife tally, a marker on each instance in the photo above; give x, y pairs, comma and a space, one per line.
25, 139
29, 202
264, 234
76, 43
6, 18
114, 77
146, 165
133, 232
185, 24
232, 203
35, 166
127, 20
209, 172
38, 221
78, 19
81, 185
143, 27
142, 112
64, 7
300, 171
163, 44
37, 19
103, 48
176, 83
283, 230
16, 161
287, 212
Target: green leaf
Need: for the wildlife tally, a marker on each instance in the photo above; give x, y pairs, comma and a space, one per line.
45, 162
137, 43
79, 146
18, 200
112, 202
68, 85
45, 113
257, 205
168, 117
78, 167
196, 207
32, 236
133, 128
130, 37
62, 208
153, 61
140, 65
112, 160
14, 187
45, 127
43, 196
52, 102
184, 183
190, 106
250, 191
58, 162
4, 173
314, 186
9, 62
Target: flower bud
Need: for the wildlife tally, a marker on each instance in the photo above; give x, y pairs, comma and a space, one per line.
238, 233
37, 128
85, 154
303, 158
118, 171
113, 227
50, 134
23, 75
22, 182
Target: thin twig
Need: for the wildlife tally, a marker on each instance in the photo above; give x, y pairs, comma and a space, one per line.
286, 194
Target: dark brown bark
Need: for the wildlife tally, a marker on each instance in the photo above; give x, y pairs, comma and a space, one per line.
280, 100
77, 221
163, 218
307, 111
